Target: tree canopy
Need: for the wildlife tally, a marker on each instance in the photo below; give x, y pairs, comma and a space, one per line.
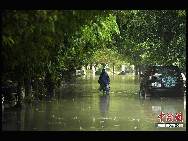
36, 42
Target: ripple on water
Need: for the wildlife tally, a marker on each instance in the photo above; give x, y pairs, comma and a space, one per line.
92, 127
79, 109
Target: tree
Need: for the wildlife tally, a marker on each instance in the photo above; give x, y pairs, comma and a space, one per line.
144, 34
41, 42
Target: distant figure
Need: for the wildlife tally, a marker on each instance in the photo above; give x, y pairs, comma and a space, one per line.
104, 81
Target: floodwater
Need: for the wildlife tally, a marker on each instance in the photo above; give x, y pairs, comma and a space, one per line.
79, 106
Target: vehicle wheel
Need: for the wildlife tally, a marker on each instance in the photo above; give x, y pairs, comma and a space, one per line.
146, 94
141, 93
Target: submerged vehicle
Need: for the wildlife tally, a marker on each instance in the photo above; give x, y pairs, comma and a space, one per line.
162, 81
9, 93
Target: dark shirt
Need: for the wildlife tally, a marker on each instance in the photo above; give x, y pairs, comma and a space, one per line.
104, 78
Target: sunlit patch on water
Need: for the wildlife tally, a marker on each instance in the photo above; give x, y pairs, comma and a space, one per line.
105, 118
93, 119
133, 119
41, 111
75, 117
101, 121
81, 128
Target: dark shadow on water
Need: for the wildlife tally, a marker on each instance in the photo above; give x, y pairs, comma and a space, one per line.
11, 119
104, 102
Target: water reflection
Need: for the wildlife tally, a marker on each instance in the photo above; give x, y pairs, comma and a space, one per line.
154, 106
104, 102
79, 106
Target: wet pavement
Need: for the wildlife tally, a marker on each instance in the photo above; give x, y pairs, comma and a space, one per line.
79, 106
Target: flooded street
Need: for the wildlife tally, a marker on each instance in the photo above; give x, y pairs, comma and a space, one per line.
79, 106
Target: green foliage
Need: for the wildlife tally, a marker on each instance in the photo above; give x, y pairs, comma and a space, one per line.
151, 36
39, 41
91, 36
100, 31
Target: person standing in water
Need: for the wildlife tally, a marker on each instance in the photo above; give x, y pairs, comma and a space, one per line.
104, 81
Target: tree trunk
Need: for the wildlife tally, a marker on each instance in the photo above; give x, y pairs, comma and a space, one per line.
136, 69
49, 85
28, 88
36, 88
139, 69
113, 68
93, 69
19, 93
